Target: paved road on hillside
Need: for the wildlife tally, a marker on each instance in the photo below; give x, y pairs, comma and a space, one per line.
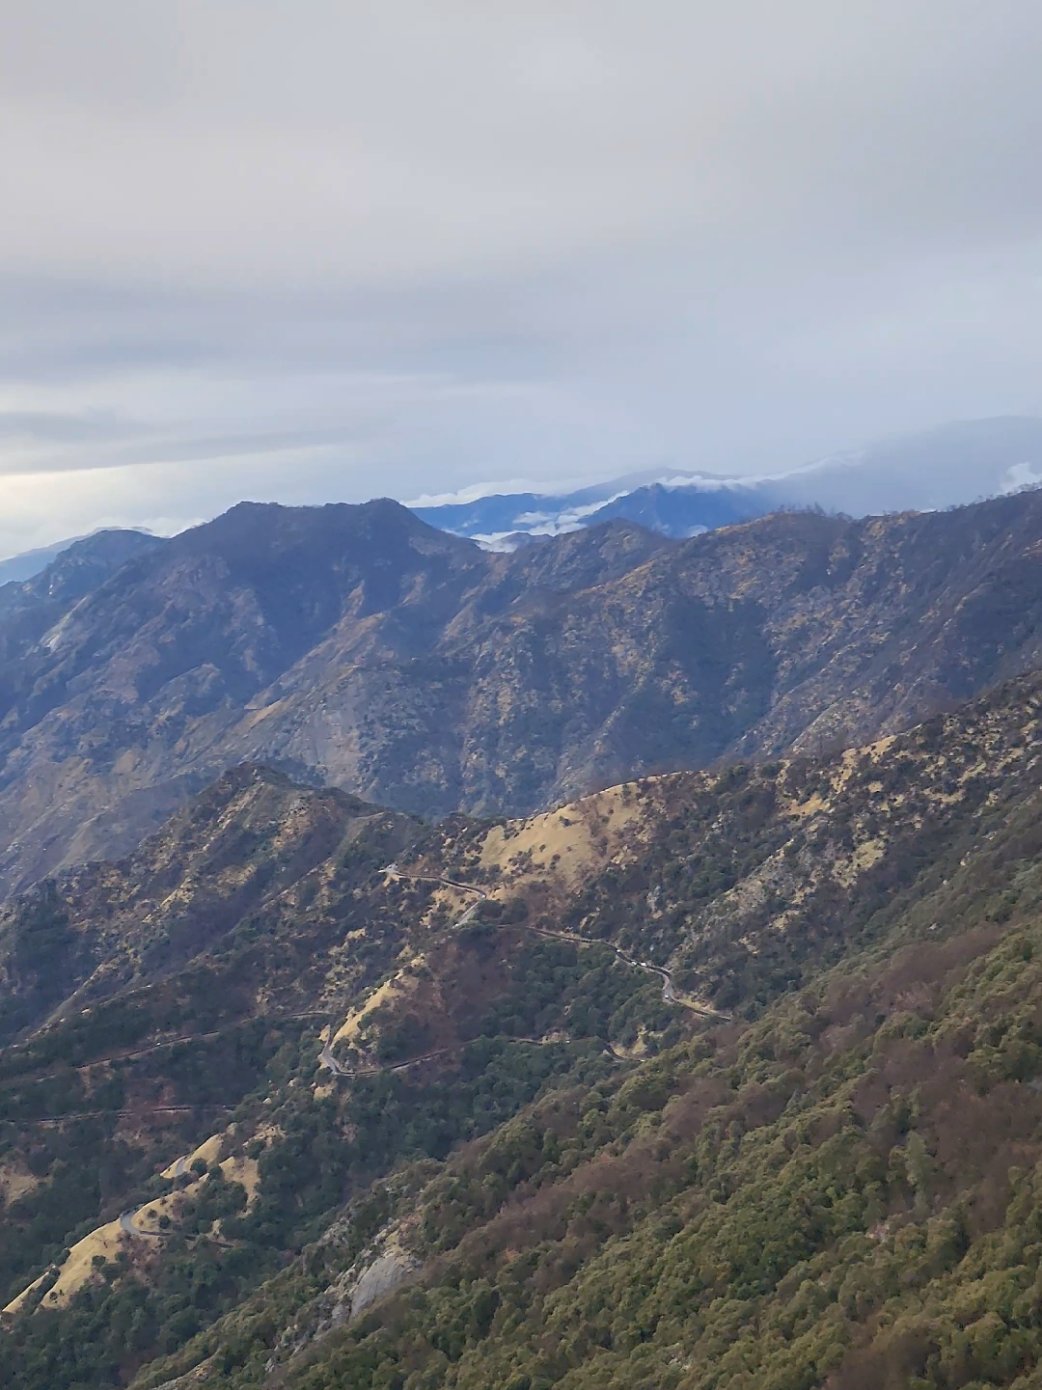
325, 1057
393, 871
128, 1224
128, 1221
126, 1114
327, 1060
439, 1052
669, 994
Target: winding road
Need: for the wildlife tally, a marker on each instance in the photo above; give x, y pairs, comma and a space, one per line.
325, 1057
327, 1060
669, 993
427, 1056
126, 1114
126, 1223
128, 1219
393, 871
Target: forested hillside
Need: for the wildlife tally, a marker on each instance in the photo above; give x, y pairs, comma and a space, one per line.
709, 1079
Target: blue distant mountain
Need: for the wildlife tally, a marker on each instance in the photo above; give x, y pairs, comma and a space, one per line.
946, 467
21, 567
681, 506
950, 466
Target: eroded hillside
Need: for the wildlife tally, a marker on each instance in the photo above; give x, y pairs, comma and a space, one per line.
563, 1100
357, 646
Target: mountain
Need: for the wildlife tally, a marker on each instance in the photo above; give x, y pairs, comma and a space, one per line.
28, 608
141, 1000
19, 568
951, 466
612, 962
707, 1079
119, 928
677, 506
360, 647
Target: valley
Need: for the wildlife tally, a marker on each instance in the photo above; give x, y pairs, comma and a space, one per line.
704, 1077
520, 696
357, 647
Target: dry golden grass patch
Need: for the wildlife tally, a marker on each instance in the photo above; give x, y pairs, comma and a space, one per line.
77, 1269
392, 991
568, 842
864, 857
207, 1151
243, 1170
107, 1240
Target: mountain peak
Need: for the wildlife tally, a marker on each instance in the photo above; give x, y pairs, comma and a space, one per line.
77, 563
259, 528
952, 465
356, 645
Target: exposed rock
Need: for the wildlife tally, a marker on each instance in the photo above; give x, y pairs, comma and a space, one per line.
385, 1274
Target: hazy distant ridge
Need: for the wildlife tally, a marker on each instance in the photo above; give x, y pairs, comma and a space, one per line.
951, 466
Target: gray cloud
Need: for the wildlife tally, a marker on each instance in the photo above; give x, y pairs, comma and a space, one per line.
329, 250
50, 427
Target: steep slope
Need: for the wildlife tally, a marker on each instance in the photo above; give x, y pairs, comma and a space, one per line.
796, 630
112, 545
226, 857
141, 1000
170, 670
16, 569
357, 645
29, 608
707, 1079
111, 716
843, 1194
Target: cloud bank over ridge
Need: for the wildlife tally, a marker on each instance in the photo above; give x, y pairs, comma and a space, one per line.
325, 252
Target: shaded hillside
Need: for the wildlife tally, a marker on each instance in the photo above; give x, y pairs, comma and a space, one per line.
140, 1001
229, 856
143, 691
357, 645
846, 1196
843, 1194
705, 1079
30, 607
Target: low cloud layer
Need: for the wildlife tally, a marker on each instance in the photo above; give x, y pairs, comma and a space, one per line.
326, 251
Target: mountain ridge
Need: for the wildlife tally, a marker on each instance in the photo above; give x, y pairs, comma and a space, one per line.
953, 465
361, 647
528, 1117
611, 964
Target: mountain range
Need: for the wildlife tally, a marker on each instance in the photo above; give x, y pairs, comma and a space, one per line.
958, 463
610, 962
358, 646
951, 466
306, 1093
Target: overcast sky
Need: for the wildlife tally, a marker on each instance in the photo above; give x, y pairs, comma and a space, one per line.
318, 251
